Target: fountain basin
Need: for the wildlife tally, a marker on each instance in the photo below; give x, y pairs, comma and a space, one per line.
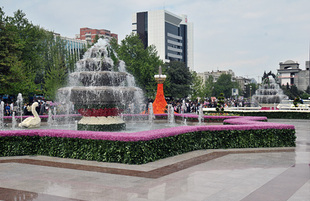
109, 123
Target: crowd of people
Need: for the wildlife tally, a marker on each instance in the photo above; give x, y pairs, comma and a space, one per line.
188, 106
9, 108
181, 105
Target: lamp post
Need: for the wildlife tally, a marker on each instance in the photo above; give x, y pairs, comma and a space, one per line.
250, 94
159, 105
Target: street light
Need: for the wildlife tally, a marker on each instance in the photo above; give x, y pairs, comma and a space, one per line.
250, 94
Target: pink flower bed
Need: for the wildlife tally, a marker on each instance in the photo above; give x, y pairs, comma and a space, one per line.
236, 123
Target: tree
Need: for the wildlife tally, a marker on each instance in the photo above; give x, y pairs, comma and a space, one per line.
95, 39
209, 85
220, 103
305, 96
141, 63
291, 91
28, 57
224, 85
13, 77
179, 80
249, 90
198, 87
56, 71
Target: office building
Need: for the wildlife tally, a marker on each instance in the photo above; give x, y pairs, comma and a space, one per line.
89, 34
172, 35
74, 46
216, 74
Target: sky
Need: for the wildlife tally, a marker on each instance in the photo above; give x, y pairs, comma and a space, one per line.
246, 36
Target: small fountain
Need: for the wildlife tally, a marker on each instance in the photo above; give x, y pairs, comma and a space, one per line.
13, 121
50, 118
20, 106
183, 108
100, 90
171, 119
151, 113
269, 92
1, 115
200, 115
54, 115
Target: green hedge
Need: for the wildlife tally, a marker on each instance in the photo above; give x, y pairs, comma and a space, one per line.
144, 151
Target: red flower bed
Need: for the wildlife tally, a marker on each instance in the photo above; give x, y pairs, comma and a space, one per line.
268, 108
99, 112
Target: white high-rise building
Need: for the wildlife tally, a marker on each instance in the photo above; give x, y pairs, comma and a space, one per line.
172, 35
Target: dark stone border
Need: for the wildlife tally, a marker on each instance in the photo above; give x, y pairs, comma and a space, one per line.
101, 127
153, 174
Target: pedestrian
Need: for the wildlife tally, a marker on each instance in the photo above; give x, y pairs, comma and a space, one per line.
7, 110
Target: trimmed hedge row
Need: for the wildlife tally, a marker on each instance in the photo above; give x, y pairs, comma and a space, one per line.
141, 152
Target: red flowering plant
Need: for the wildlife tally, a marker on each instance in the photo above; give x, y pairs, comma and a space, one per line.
99, 110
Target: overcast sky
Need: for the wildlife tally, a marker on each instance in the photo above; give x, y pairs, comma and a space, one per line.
247, 36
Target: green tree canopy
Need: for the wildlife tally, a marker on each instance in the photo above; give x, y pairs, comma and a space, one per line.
291, 91
209, 85
179, 80
13, 76
198, 87
27, 55
224, 84
141, 63
249, 90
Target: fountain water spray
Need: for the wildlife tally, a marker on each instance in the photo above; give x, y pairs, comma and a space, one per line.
171, 119
183, 107
269, 92
50, 118
200, 115
54, 119
151, 113
20, 106
1, 115
13, 121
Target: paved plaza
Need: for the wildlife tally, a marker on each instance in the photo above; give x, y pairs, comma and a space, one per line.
264, 174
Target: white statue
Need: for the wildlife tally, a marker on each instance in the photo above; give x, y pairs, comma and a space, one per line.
32, 122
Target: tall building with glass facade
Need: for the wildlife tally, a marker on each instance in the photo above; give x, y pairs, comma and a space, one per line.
172, 35
74, 46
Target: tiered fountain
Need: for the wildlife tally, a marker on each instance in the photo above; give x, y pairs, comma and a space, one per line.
269, 92
100, 90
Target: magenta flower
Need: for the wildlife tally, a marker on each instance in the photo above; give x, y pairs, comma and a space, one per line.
234, 123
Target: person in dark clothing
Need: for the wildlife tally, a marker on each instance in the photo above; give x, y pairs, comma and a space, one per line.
7, 111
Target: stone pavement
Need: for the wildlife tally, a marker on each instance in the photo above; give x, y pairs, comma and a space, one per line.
216, 175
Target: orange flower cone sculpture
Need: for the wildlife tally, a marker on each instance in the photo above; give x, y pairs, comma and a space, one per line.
159, 105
